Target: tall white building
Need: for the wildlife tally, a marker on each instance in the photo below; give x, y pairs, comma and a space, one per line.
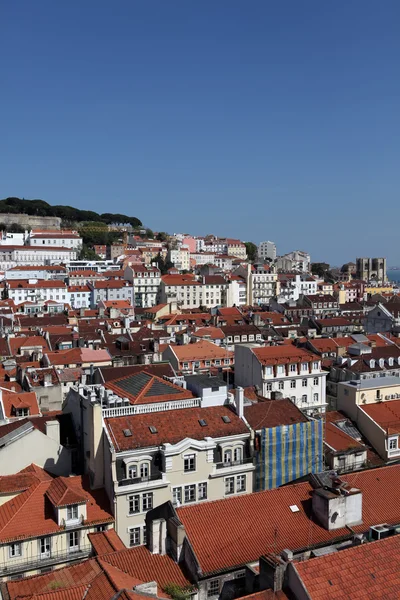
267, 250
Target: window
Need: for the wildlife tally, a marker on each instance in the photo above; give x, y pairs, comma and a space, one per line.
21, 412
241, 483
280, 369
144, 470
293, 384
144, 535
293, 368
190, 493
72, 512
393, 443
281, 385
189, 463
304, 383
315, 381
304, 366
315, 365
237, 454
217, 362
226, 361
134, 536
73, 541
269, 387
304, 398
207, 363
147, 501
134, 504
227, 456
44, 544
315, 397
132, 472
15, 550
177, 495
202, 491
229, 485
213, 588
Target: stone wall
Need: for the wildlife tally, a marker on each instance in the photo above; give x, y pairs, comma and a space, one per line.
31, 222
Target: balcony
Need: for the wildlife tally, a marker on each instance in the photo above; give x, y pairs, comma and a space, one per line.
234, 463
140, 480
40, 561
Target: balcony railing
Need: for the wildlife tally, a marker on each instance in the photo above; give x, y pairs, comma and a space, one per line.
40, 561
234, 463
135, 480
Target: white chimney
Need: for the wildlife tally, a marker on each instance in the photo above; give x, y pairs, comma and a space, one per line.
239, 401
158, 534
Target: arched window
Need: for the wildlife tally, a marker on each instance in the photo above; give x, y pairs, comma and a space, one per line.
132, 472
227, 456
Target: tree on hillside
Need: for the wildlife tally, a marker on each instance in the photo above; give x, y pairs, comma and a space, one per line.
251, 250
319, 269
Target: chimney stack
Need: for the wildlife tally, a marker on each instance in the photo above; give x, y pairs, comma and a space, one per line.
239, 402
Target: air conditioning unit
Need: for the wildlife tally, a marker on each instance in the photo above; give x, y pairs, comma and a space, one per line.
379, 532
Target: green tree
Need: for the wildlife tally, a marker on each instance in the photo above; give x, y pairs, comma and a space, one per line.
251, 250
162, 236
319, 269
87, 253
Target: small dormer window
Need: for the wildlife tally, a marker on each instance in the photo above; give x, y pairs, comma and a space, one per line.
72, 512
372, 363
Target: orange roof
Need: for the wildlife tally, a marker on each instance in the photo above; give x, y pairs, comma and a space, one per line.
215, 333
167, 430
13, 401
239, 533
386, 414
62, 493
27, 516
202, 350
369, 571
105, 542
338, 440
27, 342
280, 355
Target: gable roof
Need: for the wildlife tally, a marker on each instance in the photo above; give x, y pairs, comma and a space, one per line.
13, 401
62, 493
238, 531
369, 571
281, 355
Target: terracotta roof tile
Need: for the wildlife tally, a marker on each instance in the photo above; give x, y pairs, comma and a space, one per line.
386, 414
105, 542
168, 432
140, 563
249, 534
200, 351
272, 413
14, 401
340, 441
369, 571
61, 493
274, 355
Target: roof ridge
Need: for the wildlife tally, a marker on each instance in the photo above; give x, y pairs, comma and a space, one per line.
33, 595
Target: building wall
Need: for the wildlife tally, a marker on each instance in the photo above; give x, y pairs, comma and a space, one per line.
35, 447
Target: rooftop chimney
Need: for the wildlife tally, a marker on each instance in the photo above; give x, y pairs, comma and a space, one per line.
338, 505
239, 402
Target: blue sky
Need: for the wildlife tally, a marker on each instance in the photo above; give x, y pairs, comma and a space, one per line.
259, 120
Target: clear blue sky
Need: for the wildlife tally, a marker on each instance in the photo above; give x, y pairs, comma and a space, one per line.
254, 119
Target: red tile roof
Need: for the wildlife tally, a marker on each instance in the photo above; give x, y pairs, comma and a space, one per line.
386, 414
272, 413
13, 401
202, 350
27, 515
80, 574
280, 355
105, 542
140, 563
369, 571
16, 343
61, 492
167, 430
238, 532
340, 441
